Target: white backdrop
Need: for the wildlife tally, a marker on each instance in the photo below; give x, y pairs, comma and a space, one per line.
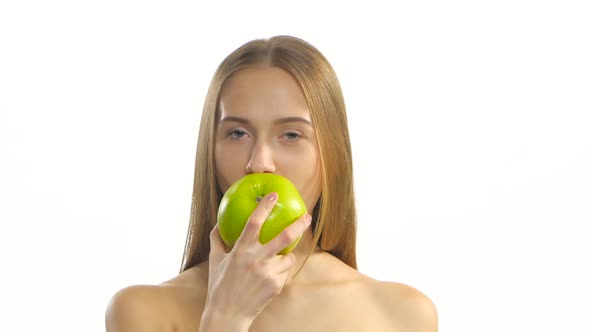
469, 123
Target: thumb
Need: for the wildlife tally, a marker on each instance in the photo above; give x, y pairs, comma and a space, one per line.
217, 245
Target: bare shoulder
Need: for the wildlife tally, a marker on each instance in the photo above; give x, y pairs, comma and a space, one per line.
136, 308
164, 307
411, 309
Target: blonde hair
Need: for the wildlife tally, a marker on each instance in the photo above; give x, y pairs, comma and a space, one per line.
334, 216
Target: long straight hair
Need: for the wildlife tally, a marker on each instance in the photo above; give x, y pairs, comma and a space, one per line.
334, 216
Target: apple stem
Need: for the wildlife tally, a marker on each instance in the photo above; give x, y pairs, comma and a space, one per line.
258, 199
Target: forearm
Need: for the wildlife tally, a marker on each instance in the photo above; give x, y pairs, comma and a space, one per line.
213, 321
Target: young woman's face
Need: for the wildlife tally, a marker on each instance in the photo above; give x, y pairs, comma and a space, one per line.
264, 127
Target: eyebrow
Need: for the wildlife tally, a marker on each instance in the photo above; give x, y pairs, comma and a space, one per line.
277, 121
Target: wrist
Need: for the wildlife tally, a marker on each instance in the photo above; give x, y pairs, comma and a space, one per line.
213, 320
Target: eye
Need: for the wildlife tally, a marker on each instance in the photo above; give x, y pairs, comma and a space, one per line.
292, 136
236, 133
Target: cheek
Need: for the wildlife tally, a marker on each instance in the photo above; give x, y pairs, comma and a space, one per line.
315, 180
304, 170
227, 167
315, 186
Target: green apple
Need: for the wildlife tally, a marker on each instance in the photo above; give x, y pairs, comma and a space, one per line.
242, 197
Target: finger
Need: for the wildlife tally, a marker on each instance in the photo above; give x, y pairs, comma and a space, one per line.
288, 235
284, 263
217, 245
251, 232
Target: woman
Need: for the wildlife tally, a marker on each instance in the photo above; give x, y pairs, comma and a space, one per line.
273, 106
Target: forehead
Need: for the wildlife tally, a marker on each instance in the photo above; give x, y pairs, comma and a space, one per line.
262, 90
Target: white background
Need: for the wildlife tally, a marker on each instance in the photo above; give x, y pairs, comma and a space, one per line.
469, 122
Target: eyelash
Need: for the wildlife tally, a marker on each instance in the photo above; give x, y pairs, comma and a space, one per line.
293, 133
231, 133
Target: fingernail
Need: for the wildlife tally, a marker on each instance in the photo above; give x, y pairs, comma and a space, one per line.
273, 196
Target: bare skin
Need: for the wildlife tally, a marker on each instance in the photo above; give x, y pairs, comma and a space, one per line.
266, 127
327, 295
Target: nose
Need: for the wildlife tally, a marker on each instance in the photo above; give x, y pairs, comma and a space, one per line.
261, 159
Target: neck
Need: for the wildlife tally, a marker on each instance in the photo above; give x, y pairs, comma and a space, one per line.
301, 252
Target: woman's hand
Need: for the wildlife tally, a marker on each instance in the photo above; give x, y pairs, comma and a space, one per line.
243, 281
